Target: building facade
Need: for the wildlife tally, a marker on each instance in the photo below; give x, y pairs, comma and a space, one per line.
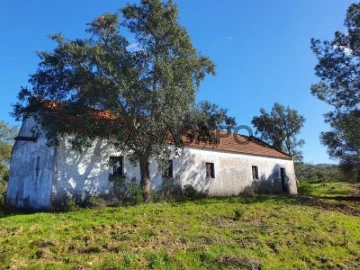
43, 176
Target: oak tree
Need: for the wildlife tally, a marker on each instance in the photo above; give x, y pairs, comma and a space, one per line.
146, 85
280, 128
7, 135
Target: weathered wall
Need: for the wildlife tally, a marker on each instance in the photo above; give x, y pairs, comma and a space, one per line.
87, 174
30, 183
40, 174
233, 172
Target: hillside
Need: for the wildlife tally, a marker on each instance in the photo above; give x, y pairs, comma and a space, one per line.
249, 232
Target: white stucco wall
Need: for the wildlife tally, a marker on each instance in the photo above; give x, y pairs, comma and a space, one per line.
64, 173
87, 174
233, 172
29, 188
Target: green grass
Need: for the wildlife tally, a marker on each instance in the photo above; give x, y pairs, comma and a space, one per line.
271, 232
327, 189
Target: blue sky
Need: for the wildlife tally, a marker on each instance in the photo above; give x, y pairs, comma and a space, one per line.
261, 50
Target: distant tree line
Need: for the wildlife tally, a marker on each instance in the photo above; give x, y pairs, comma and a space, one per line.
318, 173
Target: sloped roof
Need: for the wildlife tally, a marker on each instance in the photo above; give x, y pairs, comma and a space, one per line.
227, 142
235, 143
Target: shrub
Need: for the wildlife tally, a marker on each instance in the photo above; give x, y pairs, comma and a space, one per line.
238, 213
119, 183
248, 190
70, 204
127, 191
170, 191
135, 193
95, 202
190, 192
3, 188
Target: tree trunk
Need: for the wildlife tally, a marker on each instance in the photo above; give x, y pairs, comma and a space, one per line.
145, 179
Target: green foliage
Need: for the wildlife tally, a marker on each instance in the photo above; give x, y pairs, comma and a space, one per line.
7, 135
95, 202
338, 70
127, 191
326, 188
70, 204
170, 191
238, 213
3, 188
205, 119
250, 190
199, 234
280, 128
135, 193
150, 83
118, 185
190, 192
310, 172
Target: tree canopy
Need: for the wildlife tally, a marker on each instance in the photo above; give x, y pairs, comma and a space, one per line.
280, 128
148, 85
7, 135
339, 71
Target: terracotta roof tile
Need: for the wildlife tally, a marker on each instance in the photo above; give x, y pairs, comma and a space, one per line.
240, 144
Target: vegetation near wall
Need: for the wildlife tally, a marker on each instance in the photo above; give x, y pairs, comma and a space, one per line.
7, 135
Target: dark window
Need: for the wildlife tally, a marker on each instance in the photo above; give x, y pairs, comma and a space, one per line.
116, 166
255, 172
210, 170
169, 171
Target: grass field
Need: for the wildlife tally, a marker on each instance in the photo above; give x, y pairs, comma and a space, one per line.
248, 232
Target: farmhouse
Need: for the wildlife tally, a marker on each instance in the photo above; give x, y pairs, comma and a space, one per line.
42, 176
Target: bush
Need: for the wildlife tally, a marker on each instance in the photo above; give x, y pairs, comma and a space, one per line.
127, 191
190, 192
95, 202
3, 188
135, 193
248, 191
170, 191
238, 214
70, 204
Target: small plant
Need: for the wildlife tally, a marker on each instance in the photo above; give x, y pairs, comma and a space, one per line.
136, 193
95, 202
3, 187
248, 190
238, 213
117, 178
170, 191
133, 193
70, 204
190, 192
